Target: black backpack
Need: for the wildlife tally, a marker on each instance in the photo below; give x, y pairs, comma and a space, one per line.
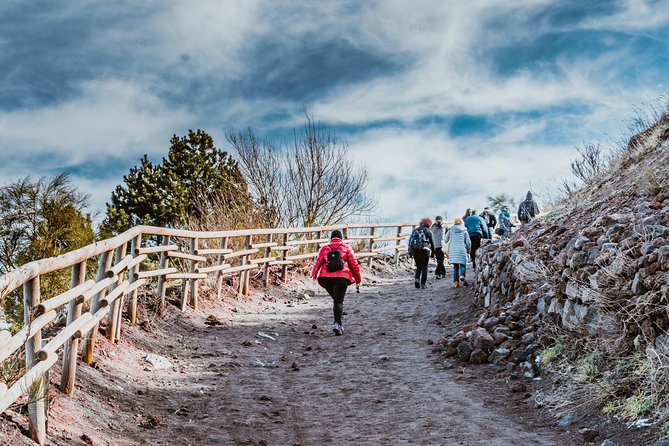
487, 217
333, 261
523, 214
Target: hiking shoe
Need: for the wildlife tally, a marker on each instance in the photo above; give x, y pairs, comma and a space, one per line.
424, 286
464, 281
456, 284
417, 284
438, 277
338, 329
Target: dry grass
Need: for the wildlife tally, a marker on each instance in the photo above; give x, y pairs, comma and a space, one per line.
12, 368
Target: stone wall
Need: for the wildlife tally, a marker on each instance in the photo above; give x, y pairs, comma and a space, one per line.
606, 276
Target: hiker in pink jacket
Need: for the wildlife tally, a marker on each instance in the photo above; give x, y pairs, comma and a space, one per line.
336, 268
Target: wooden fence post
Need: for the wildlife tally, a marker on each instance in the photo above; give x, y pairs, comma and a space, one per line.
38, 392
185, 292
219, 274
160, 292
114, 316
244, 276
69, 367
104, 263
397, 250
132, 304
265, 269
372, 231
194, 290
284, 267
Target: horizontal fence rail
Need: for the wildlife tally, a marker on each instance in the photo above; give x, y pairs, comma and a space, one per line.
148, 255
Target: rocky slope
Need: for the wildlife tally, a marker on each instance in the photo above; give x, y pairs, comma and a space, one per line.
581, 293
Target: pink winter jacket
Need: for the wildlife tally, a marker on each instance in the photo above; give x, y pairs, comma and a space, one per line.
351, 269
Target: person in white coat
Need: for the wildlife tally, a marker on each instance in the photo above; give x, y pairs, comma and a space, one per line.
458, 242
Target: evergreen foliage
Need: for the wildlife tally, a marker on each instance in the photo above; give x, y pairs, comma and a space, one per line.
38, 220
193, 175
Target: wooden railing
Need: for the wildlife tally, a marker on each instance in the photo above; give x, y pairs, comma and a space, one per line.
187, 256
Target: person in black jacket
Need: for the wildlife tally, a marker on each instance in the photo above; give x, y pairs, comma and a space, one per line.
490, 219
528, 209
421, 247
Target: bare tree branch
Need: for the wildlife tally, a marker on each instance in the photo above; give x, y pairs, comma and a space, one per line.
313, 181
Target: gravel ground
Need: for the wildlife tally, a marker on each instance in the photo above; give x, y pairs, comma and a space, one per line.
274, 374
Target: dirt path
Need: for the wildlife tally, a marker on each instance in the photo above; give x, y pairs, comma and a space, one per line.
379, 384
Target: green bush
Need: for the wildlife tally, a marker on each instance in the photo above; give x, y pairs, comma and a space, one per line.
550, 354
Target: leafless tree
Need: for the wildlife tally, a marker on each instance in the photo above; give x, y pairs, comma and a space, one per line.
311, 181
261, 164
592, 162
324, 186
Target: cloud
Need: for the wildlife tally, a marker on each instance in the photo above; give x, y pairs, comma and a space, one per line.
633, 15
107, 119
428, 172
451, 100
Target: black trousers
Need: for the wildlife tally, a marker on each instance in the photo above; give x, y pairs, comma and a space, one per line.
476, 244
421, 257
336, 288
441, 269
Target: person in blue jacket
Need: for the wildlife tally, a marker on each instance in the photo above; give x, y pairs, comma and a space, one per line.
505, 222
458, 242
477, 229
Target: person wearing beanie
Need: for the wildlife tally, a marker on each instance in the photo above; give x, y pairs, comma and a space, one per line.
438, 230
335, 269
421, 246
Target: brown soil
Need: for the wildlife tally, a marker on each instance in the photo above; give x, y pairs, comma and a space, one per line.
379, 384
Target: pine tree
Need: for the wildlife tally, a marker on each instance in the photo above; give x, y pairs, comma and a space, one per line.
193, 174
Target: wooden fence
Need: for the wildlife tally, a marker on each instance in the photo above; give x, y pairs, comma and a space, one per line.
186, 256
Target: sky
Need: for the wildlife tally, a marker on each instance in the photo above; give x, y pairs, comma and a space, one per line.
443, 102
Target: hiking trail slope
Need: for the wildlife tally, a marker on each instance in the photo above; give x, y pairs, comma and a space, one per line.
378, 384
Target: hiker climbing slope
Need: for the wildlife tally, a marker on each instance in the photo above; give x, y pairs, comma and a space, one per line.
336, 268
438, 233
490, 220
477, 229
505, 225
528, 209
421, 246
458, 242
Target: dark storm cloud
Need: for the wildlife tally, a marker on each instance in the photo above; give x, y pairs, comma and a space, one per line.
308, 67
49, 47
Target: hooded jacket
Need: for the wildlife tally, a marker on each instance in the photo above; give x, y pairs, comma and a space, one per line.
438, 233
530, 206
459, 244
351, 270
